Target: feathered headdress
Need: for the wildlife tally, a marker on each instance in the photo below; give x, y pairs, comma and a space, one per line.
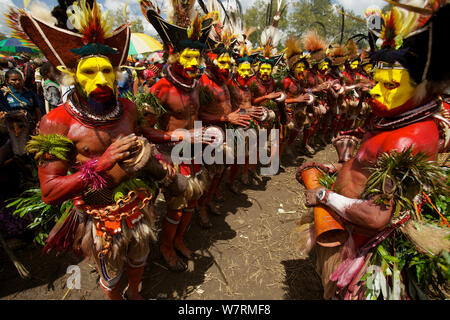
92, 35
315, 45
186, 30
352, 50
243, 53
337, 54
365, 57
271, 36
294, 53
415, 38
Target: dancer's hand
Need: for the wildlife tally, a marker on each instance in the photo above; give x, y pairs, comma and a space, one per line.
256, 112
119, 150
239, 119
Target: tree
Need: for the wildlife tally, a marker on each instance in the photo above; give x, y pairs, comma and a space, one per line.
255, 17
322, 16
119, 19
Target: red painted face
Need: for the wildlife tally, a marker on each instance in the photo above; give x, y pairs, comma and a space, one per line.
102, 94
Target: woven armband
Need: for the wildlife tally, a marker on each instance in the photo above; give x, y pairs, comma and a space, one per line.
91, 176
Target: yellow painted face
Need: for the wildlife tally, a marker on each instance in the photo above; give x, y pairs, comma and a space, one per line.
393, 87
95, 72
190, 60
299, 69
323, 65
245, 70
224, 62
368, 67
341, 67
265, 70
354, 64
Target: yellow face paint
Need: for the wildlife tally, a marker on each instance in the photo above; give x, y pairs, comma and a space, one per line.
224, 62
95, 72
265, 70
341, 67
244, 70
299, 69
393, 87
354, 64
190, 60
323, 65
368, 67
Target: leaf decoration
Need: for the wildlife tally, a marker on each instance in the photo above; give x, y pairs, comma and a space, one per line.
55, 145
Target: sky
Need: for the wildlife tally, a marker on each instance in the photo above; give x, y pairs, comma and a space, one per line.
133, 11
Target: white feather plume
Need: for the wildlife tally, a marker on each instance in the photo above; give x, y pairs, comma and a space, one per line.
271, 35
41, 11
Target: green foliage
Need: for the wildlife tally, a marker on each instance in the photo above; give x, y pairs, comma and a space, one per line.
270, 104
320, 15
43, 216
280, 72
255, 16
328, 180
146, 103
429, 272
56, 145
400, 176
441, 201
133, 184
118, 19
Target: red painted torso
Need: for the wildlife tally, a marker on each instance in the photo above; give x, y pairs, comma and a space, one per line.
241, 97
292, 88
182, 105
422, 136
262, 87
90, 142
221, 103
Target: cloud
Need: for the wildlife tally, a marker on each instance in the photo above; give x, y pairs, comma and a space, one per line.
358, 6
133, 13
4, 7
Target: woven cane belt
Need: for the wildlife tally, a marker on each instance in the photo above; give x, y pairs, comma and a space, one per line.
108, 220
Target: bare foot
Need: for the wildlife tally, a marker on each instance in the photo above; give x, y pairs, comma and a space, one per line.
133, 295
203, 218
173, 261
181, 248
245, 179
232, 187
213, 209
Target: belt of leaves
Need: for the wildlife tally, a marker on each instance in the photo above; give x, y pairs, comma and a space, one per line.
400, 176
134, 184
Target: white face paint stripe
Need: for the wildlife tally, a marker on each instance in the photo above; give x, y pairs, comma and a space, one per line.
341, 203
101, 76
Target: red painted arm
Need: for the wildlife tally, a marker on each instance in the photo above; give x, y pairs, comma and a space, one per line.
56, 185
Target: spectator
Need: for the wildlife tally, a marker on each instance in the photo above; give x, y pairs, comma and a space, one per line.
2, 102
149, 79
38, 79
28, 70
51, 87
17, 97
4, 67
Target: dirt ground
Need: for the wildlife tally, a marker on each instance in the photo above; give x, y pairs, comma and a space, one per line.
249, 254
